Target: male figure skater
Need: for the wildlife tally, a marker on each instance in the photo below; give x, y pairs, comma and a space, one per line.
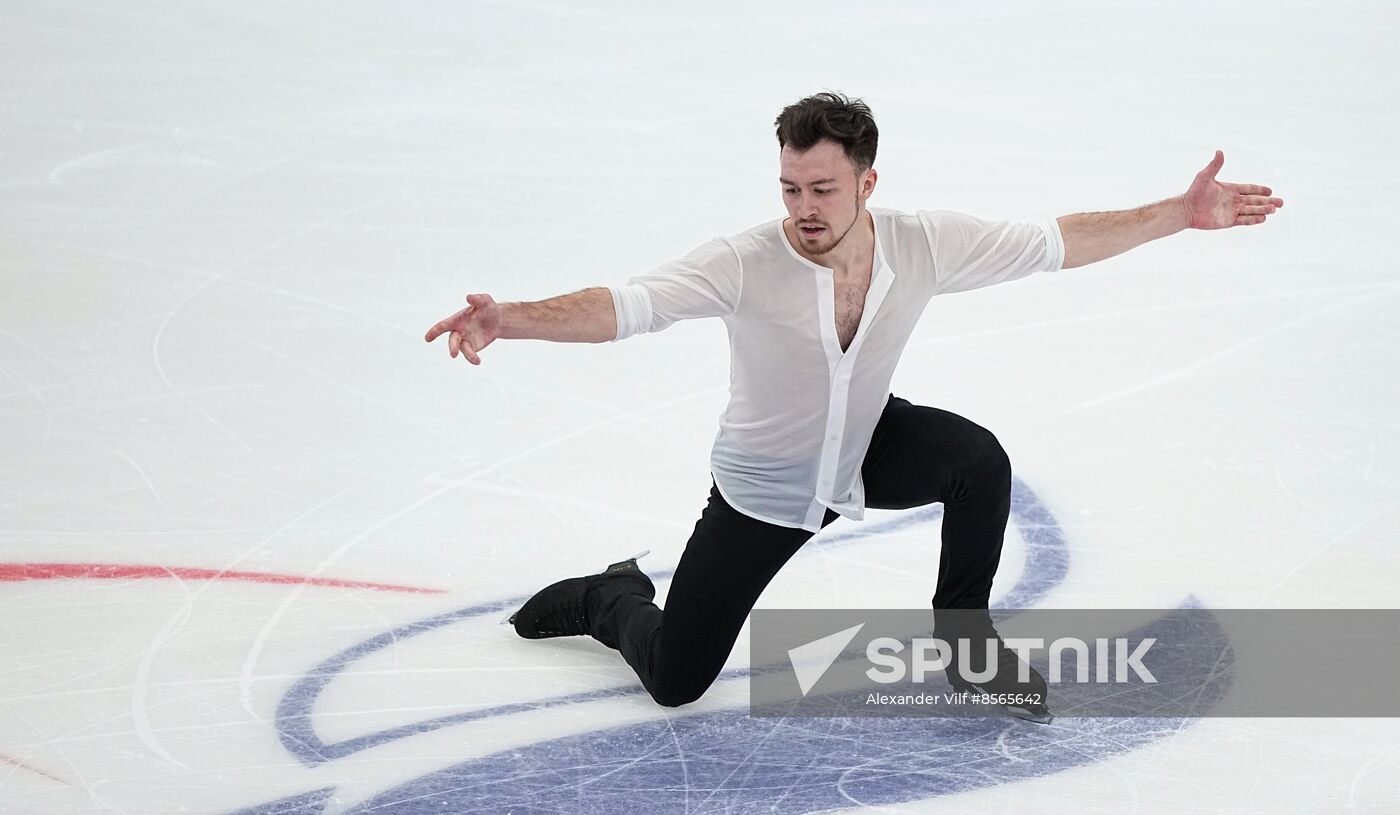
818, 307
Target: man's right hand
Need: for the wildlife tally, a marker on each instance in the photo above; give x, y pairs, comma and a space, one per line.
471, 329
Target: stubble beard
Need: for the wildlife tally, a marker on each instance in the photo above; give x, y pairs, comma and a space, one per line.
837, 242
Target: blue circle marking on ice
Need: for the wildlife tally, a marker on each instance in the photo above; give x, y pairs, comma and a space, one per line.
728, 760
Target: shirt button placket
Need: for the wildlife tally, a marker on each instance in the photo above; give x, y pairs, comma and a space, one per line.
835, 418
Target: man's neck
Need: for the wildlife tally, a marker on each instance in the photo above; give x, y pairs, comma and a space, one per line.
852, 256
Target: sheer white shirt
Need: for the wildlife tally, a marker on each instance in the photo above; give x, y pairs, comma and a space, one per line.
801, 411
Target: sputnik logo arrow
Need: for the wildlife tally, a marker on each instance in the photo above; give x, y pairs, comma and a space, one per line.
811, 661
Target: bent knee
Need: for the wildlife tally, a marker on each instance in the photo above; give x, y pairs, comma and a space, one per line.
674, 694
990, 458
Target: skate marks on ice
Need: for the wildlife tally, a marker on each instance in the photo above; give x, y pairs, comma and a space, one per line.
732, 763
1046, 565
727, 760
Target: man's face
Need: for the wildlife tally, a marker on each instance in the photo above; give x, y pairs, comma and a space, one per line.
823, 194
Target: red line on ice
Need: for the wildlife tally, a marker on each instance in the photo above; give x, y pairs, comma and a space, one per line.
12, 572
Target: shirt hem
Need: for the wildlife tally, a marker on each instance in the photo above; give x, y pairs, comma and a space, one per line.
735, 506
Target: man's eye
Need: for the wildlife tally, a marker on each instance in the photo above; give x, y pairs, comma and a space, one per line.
821, 192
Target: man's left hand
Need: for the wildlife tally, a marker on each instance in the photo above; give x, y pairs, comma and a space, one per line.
1212, 204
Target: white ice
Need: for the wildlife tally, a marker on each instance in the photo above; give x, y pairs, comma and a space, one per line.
224, 228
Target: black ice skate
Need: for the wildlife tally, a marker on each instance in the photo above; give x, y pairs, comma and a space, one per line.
1025, 699
573, 607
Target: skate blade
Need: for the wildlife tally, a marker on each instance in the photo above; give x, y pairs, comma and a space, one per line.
1042, 716
623, 565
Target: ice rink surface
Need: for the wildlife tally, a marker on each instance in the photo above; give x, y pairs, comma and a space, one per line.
257, 537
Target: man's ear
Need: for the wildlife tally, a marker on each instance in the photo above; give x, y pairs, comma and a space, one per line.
867, 183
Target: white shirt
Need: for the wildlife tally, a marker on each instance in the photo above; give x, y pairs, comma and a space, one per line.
801, 412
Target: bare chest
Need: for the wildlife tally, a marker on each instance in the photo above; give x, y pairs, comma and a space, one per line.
850, 305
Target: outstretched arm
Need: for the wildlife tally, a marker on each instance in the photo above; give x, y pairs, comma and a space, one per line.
584, 316
1209, 204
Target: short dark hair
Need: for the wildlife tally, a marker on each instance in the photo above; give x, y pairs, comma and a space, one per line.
829, 115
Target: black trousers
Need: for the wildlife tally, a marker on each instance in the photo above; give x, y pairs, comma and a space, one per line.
918, 455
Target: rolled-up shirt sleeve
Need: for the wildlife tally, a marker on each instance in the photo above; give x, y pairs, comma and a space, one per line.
970, 253
704, 283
